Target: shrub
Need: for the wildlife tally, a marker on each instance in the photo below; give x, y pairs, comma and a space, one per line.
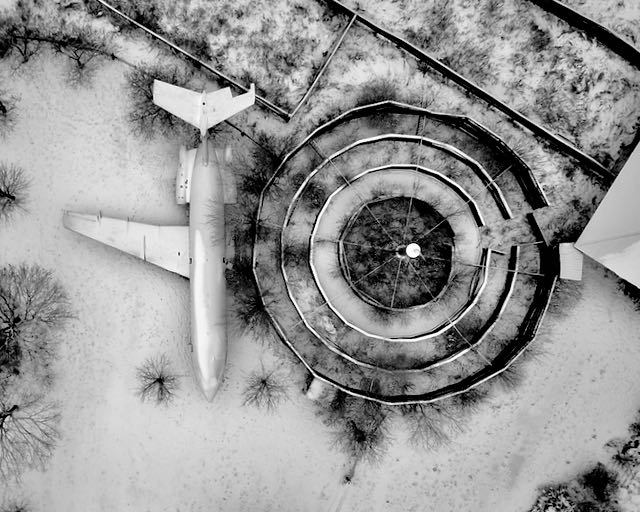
13, 190
441, 27
265, 158
565, 297
251, 314
144, 12
554, 499
630, 291
472, 60
264, 390
378, 89
511, 377
314, 195
601, 482
157, 382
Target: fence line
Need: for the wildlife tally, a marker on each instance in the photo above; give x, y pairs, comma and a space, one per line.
555, 140
592, 28
322, 69
525, 177
262, 101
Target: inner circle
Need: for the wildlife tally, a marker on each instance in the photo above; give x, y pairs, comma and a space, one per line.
396, 252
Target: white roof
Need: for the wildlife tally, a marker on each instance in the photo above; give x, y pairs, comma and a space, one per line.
612, 236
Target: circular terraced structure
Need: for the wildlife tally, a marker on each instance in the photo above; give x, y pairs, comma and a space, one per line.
396, 255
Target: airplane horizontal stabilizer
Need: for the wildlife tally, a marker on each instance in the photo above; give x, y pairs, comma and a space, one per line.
164, 246
221, 106
181, 102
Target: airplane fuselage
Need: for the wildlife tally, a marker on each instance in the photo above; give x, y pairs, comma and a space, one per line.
207, 280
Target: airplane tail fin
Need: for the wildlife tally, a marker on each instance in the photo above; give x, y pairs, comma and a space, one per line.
201, 111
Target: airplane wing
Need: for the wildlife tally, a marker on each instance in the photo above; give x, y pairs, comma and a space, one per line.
221, 106
165, 246
180, 102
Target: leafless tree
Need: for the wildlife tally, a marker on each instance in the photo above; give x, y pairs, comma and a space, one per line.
15, 506
430, 424
28, 434
157, 382
361, 427
147, 118
32, 302
264, 390
20, 32
511, 377
252, 315
85, 47
7, 112
13, 190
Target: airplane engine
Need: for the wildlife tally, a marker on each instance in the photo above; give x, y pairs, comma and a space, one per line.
183, 177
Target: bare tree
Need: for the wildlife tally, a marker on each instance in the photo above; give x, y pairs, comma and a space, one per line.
85, 47
430, 424
157, 382
19, 33
32, 302
147, 118
252, 315
15, 506
361, 427
13, 190
28, 434
7, 112
264, 390
511, 377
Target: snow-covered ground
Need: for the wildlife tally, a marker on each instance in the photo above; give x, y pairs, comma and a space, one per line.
118, 454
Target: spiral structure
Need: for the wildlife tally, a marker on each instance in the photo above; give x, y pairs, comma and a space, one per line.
397, 256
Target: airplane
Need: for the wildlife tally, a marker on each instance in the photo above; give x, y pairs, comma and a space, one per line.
196, 251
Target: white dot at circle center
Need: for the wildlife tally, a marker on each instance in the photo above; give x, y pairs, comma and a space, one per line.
413, 250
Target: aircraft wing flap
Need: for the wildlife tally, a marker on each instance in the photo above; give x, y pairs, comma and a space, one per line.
164, 246
180, 102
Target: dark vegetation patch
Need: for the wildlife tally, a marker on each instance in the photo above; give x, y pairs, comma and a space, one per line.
157, 381
264, 389
8, 112
33, 304
384, 228
147, 118
14, 186
273, 52
360, 428
28, 433
631, 291
33, 27
374, 91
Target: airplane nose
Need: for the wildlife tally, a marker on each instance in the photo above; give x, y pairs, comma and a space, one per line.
210, 389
